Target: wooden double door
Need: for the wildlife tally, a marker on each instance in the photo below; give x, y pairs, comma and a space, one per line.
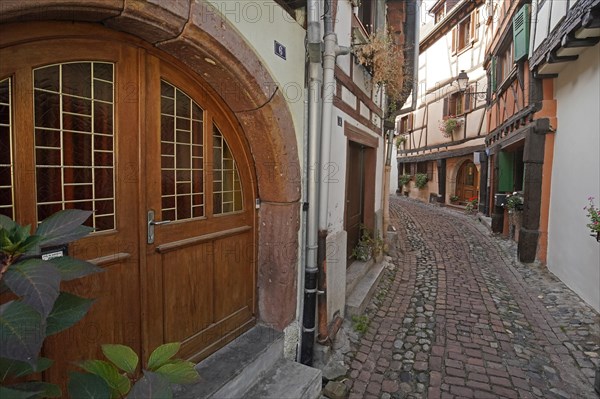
124, 131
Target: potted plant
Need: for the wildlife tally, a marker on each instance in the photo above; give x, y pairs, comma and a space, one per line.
421, 180
449, 125
454, 198
471, 207
367, 246
594, 217
403, 180
400, 142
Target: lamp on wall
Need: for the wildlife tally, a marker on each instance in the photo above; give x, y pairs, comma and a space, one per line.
462, 80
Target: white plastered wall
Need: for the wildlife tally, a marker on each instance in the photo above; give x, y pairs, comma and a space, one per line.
573, 255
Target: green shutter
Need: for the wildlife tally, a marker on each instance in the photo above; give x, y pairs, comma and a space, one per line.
493, 73
521, 32
506, 171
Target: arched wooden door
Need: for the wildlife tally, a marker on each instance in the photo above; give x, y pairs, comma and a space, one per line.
467, 181
122, 131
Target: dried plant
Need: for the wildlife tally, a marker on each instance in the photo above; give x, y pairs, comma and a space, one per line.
380, 56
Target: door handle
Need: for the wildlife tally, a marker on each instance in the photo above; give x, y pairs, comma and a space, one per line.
151, 224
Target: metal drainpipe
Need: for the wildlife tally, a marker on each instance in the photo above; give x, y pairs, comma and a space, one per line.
331, 51
310, 269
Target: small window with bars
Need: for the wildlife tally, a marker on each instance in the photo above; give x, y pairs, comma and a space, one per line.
74, 140
6, 171
182, 155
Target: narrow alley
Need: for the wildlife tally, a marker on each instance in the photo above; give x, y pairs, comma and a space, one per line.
457, 316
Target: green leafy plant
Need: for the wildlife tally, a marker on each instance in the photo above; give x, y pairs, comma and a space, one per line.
400, 141
514, 202
454, 198
360, 323
37, 307
449, 125
117, 377
421, 180
404, 179
593, 214
368, 246
471, 206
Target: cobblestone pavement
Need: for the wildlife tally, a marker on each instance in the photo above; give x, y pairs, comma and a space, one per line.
458, 317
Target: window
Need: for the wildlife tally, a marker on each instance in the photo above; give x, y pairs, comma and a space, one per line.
456, 104
73, 128
406, 123
366, 15
504, 63
425, 168
466, 32
227, 189
6, 186
439, 13
182, 155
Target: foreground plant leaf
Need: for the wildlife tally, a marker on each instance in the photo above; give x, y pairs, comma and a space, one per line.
64, 226
122, 356
37, 282
162, 355
87, 386
67, 311
17, 368
21, 332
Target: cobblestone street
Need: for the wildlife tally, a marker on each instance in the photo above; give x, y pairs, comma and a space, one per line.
457, 316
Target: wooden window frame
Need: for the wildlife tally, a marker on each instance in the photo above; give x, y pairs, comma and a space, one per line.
454, 105
465, 33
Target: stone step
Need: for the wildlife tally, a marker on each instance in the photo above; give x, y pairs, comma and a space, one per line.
233, 370
363, 291
288, 380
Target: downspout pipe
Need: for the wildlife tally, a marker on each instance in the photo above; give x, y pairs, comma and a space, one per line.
313, 176
330, 53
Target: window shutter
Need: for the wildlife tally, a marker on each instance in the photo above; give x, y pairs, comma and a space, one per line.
430, 171
493, 73
521, 32
410, 122
452, 106
467, 106
506, 171
445, 111
454, 38
475, 25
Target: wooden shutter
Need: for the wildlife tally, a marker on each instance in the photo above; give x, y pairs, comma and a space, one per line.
468, 98
454, 38
410, 122
445, 111
430, 171
452, 106
493, 73
475, 25
521, 33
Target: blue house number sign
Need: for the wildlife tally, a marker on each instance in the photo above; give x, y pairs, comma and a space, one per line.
280, 50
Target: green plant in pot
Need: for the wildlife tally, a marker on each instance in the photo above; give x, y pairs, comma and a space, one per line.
403, 180
449, 125
454, 198
421, 180
368, 246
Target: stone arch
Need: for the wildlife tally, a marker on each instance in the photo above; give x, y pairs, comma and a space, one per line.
196, 34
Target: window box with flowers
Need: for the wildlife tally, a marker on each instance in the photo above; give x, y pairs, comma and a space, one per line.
449, 125
594, 217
